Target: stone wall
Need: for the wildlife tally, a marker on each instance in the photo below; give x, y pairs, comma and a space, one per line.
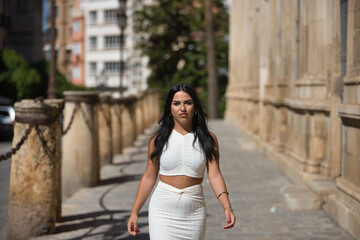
295, 87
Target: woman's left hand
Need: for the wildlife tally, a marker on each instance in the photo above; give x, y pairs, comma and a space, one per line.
230, 217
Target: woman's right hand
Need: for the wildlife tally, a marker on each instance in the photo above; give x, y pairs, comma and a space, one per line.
132, 225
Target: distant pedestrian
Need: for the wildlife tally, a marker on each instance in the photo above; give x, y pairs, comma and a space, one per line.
179, 152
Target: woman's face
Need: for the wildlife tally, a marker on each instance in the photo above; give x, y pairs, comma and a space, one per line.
182, 107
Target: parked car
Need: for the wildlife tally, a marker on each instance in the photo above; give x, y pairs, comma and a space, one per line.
7, 119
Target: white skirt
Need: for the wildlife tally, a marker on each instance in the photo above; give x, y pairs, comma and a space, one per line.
177, 213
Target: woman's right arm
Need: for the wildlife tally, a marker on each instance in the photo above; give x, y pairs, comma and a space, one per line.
146, 185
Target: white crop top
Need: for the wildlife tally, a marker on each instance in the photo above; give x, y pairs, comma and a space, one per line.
181, 157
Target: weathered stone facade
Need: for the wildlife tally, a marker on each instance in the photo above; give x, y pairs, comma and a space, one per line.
295, 87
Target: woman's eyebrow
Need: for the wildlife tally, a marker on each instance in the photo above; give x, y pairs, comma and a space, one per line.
187, 100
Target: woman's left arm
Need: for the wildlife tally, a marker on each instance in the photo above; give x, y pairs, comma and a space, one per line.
219, 187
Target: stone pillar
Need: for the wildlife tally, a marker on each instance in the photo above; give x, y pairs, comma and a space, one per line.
128, 121
80, 144
116, 110
156, 104
344, 207
58, 104
147, 105
139, 115
33, 200
318, 141
105, 131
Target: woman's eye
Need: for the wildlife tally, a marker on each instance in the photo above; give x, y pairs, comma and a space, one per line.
188, 103
176, 103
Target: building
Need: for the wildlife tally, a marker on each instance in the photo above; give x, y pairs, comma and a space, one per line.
294, 86
63, 34
88, 45
102, 48
20, 28
77, 57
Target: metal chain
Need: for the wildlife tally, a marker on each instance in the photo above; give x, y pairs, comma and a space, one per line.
71, 120
19, 144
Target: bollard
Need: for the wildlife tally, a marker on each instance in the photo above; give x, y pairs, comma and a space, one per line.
33, 200
58, 104
128, 121
80, 145
116, 130
105, 138
138, 114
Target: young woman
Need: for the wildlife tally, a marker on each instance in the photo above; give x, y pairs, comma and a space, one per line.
179, 152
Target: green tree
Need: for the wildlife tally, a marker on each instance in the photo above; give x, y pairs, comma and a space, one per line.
17, 75
62, 84
172, 36
19, 80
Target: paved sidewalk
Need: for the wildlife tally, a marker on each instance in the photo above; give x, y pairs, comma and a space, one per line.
4, 189
253, 181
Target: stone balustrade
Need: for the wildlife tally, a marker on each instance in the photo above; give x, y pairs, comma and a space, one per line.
53, 164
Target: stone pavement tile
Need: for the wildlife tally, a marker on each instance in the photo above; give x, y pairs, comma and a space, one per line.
253, 181
4, 189
254, 184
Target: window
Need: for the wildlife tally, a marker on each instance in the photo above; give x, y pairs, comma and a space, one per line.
112, 41
76, 26
93, 42
93, 68
93, 17
76, 48
76, 72
110, 16
112, 67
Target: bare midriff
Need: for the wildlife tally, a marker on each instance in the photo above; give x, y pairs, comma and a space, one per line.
180, 181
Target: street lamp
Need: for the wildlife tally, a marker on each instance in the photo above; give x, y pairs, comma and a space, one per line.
121, 19
51, 91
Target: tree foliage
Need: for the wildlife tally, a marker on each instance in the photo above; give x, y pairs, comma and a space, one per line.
20, 80
172, 36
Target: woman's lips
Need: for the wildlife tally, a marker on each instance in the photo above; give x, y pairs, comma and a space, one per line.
183, 114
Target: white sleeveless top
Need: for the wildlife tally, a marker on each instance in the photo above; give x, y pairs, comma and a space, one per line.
181, 157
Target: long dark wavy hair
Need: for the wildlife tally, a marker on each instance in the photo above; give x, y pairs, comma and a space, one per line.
200, 128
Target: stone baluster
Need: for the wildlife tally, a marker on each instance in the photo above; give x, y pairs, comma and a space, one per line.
128, 118
105, 131
116, 110
34, 201
80, 144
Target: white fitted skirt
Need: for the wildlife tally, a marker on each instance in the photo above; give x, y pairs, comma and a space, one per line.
177, 213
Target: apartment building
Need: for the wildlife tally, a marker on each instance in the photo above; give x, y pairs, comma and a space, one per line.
63, 34
102, 47
88, 45
77, 56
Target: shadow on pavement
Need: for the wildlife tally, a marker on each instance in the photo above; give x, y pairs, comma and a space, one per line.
94, 223
120, 179
89, 215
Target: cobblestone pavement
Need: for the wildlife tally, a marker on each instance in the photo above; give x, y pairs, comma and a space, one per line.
253, 181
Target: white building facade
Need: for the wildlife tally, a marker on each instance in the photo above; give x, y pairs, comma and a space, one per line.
102, 48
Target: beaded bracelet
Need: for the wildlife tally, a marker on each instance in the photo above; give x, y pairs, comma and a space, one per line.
222, 194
